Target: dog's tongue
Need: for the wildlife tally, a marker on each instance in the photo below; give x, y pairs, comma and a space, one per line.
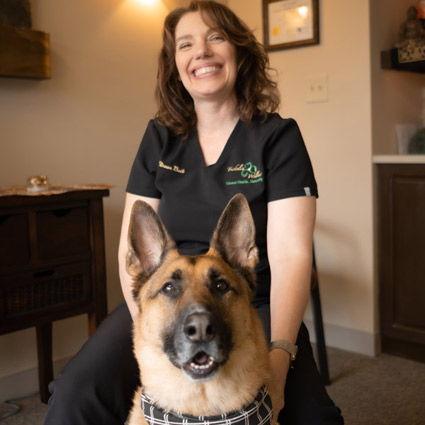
201, 358
201, 366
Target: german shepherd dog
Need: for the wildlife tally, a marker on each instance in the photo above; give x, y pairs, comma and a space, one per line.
198, 341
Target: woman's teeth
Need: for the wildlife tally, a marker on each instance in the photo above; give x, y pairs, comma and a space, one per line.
206, 70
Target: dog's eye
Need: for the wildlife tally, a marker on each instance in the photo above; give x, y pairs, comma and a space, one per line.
169, 289
221, 286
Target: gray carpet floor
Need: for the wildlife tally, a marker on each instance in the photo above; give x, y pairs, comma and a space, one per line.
385, 390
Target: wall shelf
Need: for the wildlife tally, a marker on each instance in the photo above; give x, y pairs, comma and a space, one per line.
389, 60
25, 53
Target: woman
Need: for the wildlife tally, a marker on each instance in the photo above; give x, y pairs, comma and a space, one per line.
214, 135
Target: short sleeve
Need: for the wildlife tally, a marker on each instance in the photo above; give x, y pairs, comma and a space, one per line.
288, 165
143, 172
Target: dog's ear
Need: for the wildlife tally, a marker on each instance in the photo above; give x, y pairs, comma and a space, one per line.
148, 242
234, 236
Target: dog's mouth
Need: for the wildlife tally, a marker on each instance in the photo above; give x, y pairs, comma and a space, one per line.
201, 366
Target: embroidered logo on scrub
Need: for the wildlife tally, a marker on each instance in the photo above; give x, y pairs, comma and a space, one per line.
174, 168
249, 173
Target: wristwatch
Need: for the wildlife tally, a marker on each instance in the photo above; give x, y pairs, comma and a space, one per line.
286, 346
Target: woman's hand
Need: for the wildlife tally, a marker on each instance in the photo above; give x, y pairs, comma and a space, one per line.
279, 362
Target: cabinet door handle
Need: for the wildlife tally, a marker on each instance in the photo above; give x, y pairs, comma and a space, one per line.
62, 213
45, 273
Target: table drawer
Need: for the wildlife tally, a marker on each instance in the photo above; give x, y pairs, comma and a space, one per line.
63, 232
45, 290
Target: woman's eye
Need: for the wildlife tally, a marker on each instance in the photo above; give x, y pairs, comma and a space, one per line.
184, 46
217, 37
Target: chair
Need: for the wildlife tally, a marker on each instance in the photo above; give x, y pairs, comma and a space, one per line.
318, 324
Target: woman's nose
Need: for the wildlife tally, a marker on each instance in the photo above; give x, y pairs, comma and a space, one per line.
203, 50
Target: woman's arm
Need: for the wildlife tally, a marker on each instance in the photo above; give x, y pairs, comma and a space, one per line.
289, 244
125, 278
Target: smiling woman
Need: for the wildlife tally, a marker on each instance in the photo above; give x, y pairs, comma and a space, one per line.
215, 134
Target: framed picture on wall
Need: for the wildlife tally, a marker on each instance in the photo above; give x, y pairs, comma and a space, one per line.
290, 23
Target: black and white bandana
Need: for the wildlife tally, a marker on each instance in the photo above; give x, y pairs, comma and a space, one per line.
258, 412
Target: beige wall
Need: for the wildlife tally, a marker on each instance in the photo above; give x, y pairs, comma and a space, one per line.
84, 125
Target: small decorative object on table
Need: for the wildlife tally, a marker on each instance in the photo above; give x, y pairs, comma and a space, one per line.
37, 184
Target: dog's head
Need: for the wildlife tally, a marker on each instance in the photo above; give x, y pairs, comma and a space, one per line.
195, 310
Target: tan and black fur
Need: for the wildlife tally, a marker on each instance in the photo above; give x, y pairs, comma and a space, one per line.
198, 341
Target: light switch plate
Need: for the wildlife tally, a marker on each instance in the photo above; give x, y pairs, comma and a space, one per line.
317, 89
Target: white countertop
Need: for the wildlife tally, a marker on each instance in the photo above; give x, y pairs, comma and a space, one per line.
398, 159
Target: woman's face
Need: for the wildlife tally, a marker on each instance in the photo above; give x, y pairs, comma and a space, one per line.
205, 60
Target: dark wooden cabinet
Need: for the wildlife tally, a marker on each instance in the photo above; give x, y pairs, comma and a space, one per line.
401, 253
52, 265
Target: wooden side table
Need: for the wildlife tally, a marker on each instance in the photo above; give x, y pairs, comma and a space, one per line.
52, 263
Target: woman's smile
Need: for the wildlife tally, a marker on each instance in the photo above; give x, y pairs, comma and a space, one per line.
208, 69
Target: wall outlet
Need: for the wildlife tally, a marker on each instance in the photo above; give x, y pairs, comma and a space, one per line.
317, 89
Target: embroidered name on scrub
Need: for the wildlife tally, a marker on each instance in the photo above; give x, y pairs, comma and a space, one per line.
174, 168
248, 171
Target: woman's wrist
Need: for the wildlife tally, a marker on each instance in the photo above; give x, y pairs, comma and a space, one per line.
279, 364
280, 361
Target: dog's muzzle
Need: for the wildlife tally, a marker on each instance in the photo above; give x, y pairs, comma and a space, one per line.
258, 412
199, 342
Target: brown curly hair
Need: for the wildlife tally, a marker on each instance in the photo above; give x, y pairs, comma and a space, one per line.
256, 92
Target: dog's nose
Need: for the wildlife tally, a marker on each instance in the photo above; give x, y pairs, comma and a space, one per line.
199, 327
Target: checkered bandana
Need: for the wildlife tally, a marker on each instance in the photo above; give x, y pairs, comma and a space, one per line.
258, 412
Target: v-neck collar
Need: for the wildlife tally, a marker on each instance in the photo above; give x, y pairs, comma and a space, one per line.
196, 146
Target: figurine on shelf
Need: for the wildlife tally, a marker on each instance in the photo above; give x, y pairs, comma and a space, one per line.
411, 29
411, 47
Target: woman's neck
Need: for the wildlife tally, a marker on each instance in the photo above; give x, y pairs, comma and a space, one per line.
215, 117
215, 124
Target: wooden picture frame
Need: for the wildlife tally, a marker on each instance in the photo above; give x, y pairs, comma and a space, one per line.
290, 23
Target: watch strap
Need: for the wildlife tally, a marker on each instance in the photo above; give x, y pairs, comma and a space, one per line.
286, 346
